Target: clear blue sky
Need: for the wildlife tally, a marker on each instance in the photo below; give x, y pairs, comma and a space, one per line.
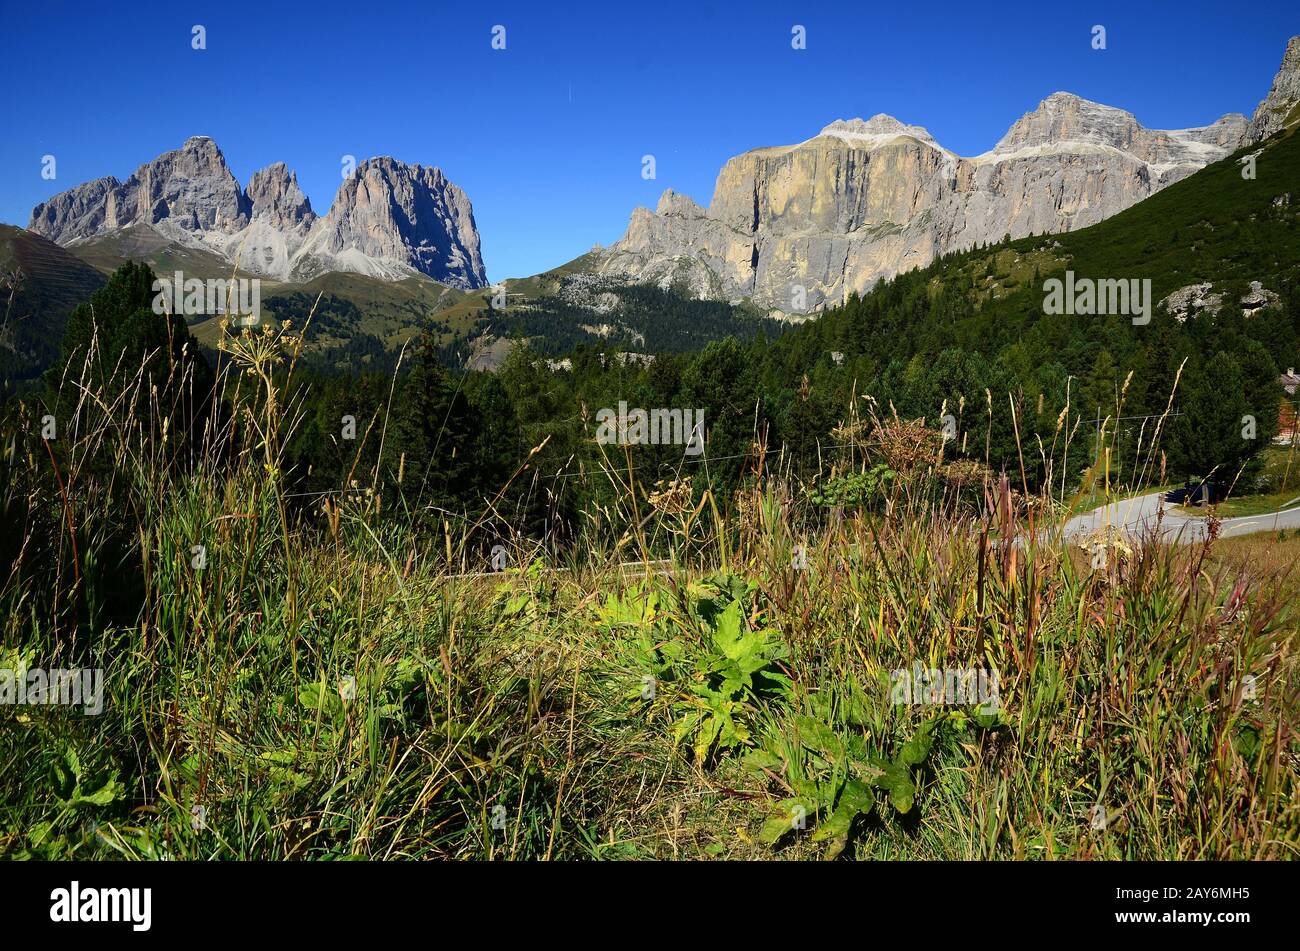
547, 136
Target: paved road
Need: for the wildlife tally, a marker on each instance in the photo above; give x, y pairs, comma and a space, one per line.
1137, 518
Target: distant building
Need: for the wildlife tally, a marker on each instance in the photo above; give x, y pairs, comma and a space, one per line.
837, 357
1290, 381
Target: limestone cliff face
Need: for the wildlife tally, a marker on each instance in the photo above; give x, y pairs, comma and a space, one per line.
79, 212
389, 219
1281, 107
190, 188
274, 197
798, 227
389, 213
280, 217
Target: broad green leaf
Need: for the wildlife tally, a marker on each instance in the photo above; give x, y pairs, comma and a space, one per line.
857, 712
902, 791
787, 818
855, 800
685, 726
818, 736
806, 788
916, 749
704, 739
107, 793
319, 696
39, 833
762, 759
1246, 742
74, 763
729, 635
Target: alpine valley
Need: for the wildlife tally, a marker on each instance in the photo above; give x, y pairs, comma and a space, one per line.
889, 503
789, 231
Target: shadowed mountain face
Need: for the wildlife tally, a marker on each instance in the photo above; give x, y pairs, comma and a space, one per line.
390, 220
40, 284
388, 213
799, 227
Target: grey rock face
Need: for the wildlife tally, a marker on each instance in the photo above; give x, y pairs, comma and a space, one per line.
389, 220
280, 219
1191, 300
1065, 118
799, 227
78, 212
191, 188
390, 214
1256, 299
1195, 299
274, 197
1282, 105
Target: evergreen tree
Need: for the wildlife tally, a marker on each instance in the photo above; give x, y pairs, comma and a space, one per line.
143, 366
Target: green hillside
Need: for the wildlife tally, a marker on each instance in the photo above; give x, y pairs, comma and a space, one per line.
40, 283
108, 252
359, 323
1215, 226
572, 305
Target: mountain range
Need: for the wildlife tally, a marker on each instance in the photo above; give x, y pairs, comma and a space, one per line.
389, 220
789, 230
795, 228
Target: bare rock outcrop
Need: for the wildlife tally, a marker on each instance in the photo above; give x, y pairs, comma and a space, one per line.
191, 189
274, 197
797, 228
1281, 107
389, 219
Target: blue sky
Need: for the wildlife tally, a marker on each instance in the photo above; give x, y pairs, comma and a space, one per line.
547, 136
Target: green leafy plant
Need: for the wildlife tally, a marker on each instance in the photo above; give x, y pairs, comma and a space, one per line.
735, 675
837, 776
854, 490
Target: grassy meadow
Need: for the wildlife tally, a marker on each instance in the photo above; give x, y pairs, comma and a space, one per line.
331, 681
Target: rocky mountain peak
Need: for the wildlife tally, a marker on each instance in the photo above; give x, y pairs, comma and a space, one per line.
390, 217
274, 196
1066, 124
1281, 107
1225, 132
389, 220
78, 212
190, 188
1065, 117
874, 131
675, 203
818, 218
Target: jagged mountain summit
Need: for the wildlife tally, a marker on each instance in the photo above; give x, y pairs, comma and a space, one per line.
1281, 107
389, 220
389, 217
796, 228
